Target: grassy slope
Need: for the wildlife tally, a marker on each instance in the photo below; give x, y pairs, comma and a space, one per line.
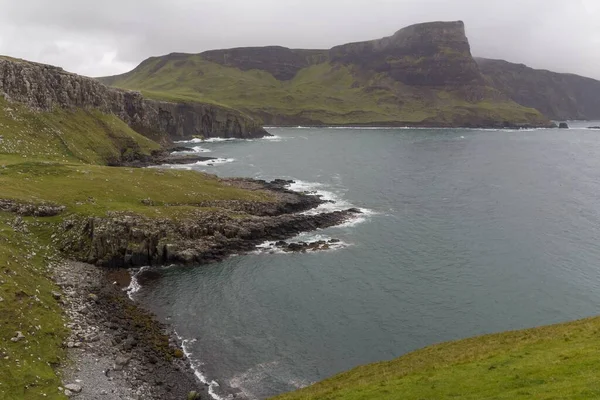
57, 157
82, 136
322, 92
555, 362
26, 367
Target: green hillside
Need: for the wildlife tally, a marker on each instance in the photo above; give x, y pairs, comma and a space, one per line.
321, 94
424, 75
555, 362
61, 158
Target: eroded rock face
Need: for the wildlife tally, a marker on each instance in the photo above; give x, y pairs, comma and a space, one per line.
121, 240
429, 54
44, 87
558, 96
129, 241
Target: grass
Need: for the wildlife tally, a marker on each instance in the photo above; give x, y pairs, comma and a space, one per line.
27, 367
554, 362
95, 190
323, 93
60, 157
68, 136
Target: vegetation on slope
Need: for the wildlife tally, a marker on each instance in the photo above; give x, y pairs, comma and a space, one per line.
323, 93
558, 96
28, 306
68, 135
554, 362
61, 158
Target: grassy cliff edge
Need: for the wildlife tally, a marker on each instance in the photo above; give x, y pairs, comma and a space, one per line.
553, 362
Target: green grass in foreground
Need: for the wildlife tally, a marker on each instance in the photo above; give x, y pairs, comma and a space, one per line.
27, 367
554, 362
57, 157
332, 94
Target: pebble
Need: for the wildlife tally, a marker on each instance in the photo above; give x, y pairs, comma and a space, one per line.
18, 337
73, 388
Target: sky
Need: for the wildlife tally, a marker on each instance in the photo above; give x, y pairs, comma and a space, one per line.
99, 38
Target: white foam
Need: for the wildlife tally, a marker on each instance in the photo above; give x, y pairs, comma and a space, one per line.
335, 202
219, 139
134, 285
216, 161
274, 138
195, 140
270, 247
192, 150
212, 384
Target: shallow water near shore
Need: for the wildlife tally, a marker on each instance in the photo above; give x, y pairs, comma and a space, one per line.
465, 232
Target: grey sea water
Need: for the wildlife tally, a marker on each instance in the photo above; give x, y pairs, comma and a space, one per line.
467, 232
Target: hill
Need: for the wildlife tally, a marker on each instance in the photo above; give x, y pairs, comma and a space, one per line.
555, 362
423, 75
558, 96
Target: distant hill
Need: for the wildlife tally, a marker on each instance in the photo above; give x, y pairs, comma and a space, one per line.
423, 75
558, 96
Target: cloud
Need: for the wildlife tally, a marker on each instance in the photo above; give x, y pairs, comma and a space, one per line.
109, 37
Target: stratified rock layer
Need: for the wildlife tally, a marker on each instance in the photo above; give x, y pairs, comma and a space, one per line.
558, 96
45, 87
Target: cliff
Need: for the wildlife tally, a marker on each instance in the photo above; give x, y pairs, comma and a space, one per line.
558, 96
430, 54
423, 75
45, 88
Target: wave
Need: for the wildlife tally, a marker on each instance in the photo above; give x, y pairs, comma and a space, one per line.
216, 161
195, 140
270, 247
195, 365
335, 201
272, 138
132, 289
193, 150
134, 285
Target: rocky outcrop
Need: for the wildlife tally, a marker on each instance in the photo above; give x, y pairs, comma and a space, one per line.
121, 240
129, 241
557, 96
43, 87
30, 209
429, 54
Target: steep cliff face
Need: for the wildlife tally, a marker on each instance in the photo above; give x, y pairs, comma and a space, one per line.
558, 96
45, 87
429, 54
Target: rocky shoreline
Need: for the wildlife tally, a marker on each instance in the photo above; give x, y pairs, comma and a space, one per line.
120, 351
211, 233
117, 350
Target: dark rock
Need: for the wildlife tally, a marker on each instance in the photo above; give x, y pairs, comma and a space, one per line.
563, 125
44, 87
558, 96
396, 55
594, 127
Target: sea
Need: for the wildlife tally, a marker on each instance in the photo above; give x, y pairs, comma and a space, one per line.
464, 232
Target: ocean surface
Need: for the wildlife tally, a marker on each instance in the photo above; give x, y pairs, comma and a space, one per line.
465, 232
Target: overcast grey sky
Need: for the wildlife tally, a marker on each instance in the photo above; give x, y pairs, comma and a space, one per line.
112, 36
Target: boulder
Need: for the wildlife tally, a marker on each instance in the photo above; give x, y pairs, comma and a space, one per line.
563, 125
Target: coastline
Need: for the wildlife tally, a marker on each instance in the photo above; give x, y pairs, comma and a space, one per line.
117, 349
